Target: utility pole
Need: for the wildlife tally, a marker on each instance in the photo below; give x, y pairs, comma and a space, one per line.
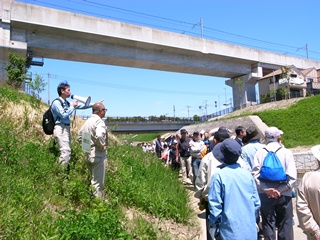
215, 104
307, 51
49, 88
205, 106
201, 26
174, 111
188, 111
274, 86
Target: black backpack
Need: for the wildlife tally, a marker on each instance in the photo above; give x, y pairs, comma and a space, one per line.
48, 121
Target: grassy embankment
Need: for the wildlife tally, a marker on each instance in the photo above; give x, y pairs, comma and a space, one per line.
300, 122
37, 201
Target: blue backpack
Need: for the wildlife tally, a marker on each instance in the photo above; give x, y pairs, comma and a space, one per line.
272, 169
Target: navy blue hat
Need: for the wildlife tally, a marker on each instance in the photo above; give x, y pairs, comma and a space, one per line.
183, 131
216, 151
231, 150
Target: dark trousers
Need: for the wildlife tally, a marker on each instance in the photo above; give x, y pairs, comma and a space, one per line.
207, 221
276, 213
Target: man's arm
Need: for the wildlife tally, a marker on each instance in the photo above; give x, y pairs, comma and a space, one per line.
61, 112
291, 171
305, 216
215, 199
100, 137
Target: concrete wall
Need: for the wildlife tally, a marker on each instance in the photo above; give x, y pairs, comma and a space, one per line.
305, 162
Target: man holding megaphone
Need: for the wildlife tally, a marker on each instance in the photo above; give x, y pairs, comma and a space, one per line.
61, 111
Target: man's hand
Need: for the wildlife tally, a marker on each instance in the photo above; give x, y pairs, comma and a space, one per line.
213, 231
272, 193
75, 103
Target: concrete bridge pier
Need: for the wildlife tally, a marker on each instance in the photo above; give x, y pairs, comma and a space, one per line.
243, 88
6, 44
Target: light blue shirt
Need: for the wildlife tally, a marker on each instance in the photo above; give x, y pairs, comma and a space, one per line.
233, 203
63, 112
249, 150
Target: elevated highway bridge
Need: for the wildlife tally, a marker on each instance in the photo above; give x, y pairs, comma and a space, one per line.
28, 29
146, 126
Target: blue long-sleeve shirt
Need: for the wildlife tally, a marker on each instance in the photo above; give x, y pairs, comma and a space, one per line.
233, 203
62, 113
249, 150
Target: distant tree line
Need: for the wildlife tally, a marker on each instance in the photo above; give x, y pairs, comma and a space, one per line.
151, 118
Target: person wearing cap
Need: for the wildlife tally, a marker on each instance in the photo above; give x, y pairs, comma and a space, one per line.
172, 138
207, 167
308, 200
253, 145
173, 157
185, 157
276, 197
196, 147
207, 150
233, 198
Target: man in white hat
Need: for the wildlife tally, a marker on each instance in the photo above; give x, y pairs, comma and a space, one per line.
308, 200
276, 196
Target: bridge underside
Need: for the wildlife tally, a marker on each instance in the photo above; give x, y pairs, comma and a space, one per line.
54, 43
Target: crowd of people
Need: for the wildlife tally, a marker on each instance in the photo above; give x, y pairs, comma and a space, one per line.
235, 178
229, 177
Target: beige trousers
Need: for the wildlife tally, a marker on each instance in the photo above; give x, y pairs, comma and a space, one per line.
62, 135
97, 168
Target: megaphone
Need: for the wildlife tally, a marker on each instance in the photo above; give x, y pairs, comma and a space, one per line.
84, 100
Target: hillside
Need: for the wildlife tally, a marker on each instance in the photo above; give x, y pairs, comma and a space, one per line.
283, 104
144, 200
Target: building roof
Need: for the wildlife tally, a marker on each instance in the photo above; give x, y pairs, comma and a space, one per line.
292, 67
308, 70
274, 73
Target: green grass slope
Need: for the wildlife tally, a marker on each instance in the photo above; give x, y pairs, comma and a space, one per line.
300, 122
39, 200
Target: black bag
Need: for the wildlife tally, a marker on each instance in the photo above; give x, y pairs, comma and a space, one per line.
48, 122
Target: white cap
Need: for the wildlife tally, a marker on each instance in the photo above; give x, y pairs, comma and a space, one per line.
273, 133
316, 152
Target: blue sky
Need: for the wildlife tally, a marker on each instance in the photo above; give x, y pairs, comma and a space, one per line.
284, 26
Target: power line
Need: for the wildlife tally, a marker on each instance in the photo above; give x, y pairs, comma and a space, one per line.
128, 87
177, 22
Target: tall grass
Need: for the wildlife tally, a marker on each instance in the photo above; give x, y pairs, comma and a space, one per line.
140, 180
